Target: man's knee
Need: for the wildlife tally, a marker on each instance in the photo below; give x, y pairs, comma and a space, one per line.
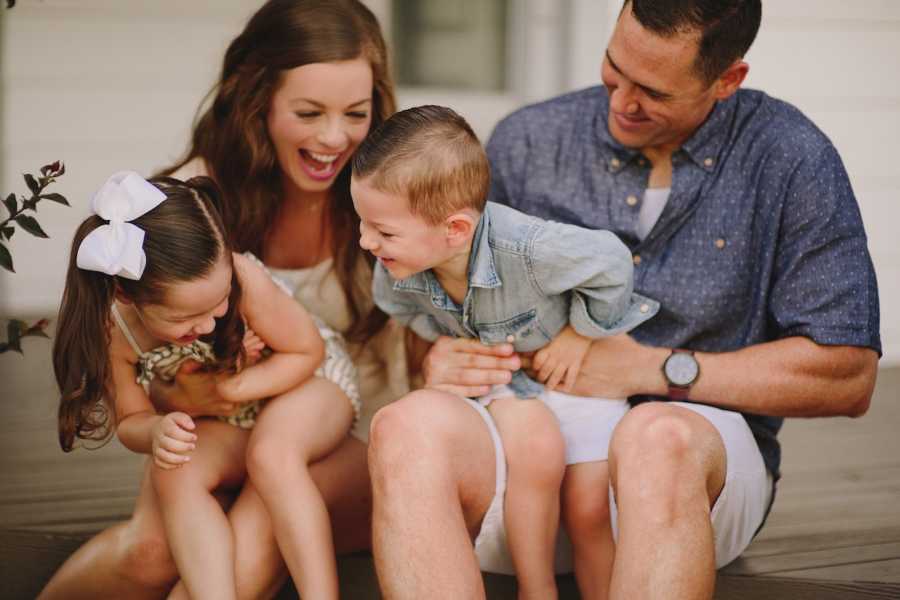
666, 451
406, 428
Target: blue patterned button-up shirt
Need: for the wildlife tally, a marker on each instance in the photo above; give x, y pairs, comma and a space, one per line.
761, 238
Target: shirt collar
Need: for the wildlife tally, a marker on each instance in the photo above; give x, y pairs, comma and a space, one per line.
703, 147
482, 270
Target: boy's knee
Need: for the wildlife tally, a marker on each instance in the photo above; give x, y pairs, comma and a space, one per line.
586, 512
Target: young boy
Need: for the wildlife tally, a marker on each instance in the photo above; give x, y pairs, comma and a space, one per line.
450, 263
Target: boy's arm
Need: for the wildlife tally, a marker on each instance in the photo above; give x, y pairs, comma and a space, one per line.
596, 268
559, 362
284, 326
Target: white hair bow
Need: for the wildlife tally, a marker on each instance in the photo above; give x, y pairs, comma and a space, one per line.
118, 248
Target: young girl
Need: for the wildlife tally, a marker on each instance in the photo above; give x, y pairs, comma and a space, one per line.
152, 283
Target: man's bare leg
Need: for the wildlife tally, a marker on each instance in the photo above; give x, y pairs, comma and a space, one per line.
667, 467
431, 458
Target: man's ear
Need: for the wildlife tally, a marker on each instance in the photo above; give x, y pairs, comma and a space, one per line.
729, 81
460, 228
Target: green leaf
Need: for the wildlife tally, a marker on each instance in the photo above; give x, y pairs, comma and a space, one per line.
6, 259
8, 232
55, 198
10, 203
14, 331
32, 184
30, 204
31, 225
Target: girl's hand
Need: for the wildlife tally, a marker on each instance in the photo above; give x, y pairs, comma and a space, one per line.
173, 440
560, 360
253, 347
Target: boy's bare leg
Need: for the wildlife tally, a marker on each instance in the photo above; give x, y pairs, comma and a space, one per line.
431, 458
585, 513
535, 456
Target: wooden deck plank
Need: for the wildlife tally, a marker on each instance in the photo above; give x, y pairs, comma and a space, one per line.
834, 531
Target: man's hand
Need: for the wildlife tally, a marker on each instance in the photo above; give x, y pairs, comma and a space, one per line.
173, 440
468, 367
560, 360
194, 392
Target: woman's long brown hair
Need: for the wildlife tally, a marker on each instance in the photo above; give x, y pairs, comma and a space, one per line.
184, 240
232, 138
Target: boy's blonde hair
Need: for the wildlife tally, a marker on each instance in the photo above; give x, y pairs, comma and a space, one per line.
430, 155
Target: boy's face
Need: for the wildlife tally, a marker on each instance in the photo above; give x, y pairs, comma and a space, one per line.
403, 242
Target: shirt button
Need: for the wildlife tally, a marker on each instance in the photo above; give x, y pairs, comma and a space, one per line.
510, 338
644, 308
615, 163
720, 243
636, 259
631, 200
708, 162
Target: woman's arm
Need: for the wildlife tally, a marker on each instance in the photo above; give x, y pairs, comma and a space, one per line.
284, 326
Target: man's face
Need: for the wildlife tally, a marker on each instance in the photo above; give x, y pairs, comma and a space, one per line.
657, 100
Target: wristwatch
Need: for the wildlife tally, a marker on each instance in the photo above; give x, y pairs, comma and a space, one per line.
681, 371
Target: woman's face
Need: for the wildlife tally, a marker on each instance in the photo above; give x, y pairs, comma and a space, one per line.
320, 113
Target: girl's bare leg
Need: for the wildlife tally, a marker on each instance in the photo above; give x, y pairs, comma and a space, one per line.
535, 455
585, 514
197, 528
293, 431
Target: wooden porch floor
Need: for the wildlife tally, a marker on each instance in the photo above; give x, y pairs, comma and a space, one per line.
834, 532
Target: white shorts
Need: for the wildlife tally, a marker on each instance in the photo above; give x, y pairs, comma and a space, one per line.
736, 515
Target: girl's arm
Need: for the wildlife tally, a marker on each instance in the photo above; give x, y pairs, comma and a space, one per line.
284, 326
140, 429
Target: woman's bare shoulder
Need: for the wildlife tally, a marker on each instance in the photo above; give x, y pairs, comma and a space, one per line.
192, 168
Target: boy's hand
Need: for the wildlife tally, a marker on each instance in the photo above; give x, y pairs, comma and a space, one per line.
560, 360
173, 440
253, 347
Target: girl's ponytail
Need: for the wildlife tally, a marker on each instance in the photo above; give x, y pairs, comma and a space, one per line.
81, 349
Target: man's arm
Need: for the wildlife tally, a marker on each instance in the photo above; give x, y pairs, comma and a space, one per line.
791, 377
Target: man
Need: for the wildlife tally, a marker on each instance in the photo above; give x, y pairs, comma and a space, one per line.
742, 223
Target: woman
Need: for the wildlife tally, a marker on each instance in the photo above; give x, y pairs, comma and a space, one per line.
300, 88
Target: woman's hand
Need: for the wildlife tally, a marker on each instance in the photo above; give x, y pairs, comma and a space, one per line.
173, 440
253, 347
467, 367
193, 392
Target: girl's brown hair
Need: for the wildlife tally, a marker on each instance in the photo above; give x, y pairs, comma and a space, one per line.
183, 241
232, 138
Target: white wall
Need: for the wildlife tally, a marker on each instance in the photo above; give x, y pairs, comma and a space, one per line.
106, 84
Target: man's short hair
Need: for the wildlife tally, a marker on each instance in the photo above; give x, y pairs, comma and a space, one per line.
727, 28
430, 155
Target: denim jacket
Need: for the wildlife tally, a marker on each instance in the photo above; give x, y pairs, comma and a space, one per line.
528, 279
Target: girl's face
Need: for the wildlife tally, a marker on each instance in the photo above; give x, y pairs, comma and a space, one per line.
190, 307
319, 114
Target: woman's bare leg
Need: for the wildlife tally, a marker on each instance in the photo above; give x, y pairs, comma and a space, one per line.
127, 560
293, 431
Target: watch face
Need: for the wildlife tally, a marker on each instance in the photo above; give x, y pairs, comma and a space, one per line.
681, 368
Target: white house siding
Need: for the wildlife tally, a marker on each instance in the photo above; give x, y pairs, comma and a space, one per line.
111, 84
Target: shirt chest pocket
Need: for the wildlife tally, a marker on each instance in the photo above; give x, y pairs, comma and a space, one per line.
523, 331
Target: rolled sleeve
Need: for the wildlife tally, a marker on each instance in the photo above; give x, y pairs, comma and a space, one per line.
595, 268
825, 286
